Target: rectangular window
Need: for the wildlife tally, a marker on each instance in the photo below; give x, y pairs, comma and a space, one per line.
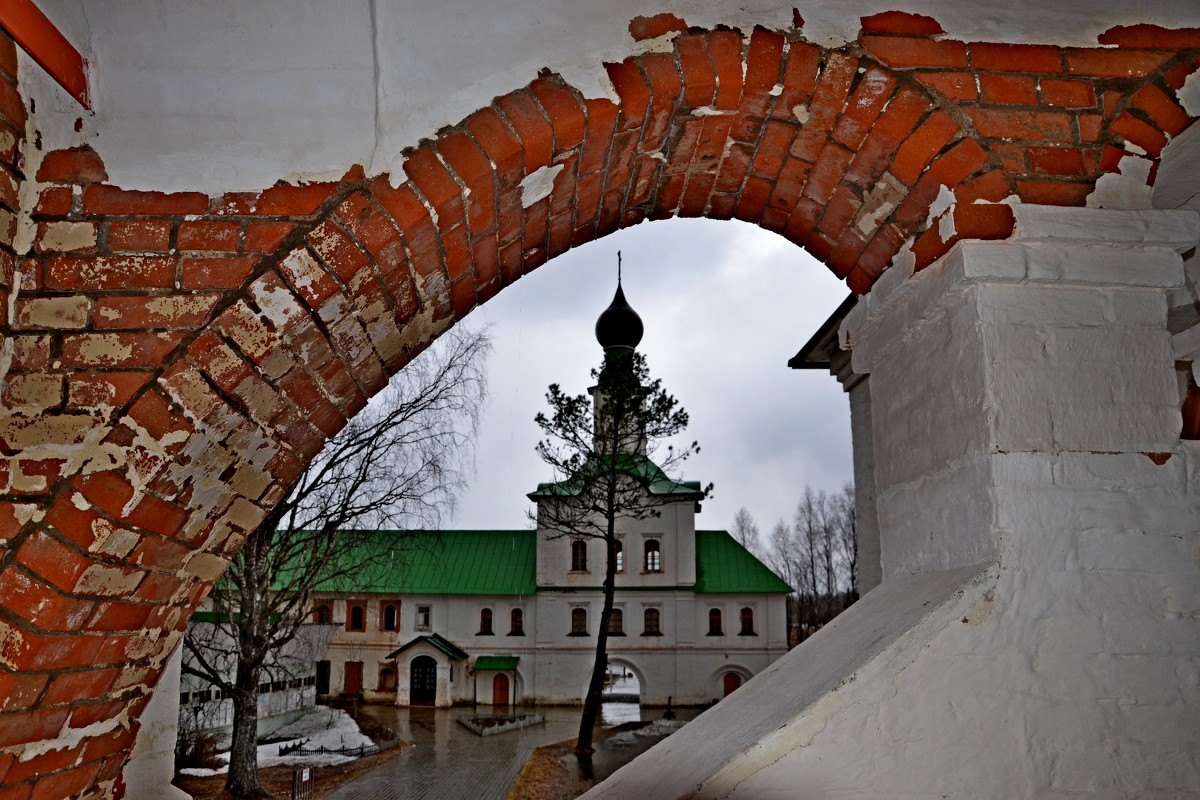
422, 618
579, 556
653, 561
356, 616
389, 616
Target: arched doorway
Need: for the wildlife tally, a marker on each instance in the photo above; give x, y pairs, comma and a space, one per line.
730, 683
422, 681
500, 690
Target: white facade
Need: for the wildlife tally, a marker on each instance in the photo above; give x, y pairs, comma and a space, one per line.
667, 636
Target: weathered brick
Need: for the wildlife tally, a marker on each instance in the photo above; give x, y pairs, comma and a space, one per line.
54, 313
184, 311
1008, 89
216, 272
1109, 63
562, 106
208, 235
907, 52
41, 604
104, 199
109, 272
1067, 93
641, 28
901, 22
78, 165
531, 127
1016, 57
122, 350
435, 183
152, 235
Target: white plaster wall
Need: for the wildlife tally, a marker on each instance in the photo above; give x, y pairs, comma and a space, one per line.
1073, 670
151, 765
232, 95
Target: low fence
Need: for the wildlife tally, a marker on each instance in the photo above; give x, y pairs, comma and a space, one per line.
301, 748
498, 723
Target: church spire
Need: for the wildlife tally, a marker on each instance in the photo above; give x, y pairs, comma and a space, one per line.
619, 325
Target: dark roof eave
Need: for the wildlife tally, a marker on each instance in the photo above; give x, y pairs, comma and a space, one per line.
824, 340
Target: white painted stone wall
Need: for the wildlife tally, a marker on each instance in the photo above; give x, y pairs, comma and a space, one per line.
1024, 415
219, 96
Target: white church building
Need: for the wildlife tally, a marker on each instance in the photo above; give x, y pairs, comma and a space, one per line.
504, 617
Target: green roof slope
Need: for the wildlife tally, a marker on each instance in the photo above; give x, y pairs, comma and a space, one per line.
639, 466
723, 565
445, 562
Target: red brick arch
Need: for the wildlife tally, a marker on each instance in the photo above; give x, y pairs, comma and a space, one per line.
176, 359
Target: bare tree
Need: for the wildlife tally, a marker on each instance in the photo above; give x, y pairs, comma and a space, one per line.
601, 450
816, 555
399, 462
846, 538
745, 531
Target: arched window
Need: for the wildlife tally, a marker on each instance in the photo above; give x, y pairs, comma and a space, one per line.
653, 556
578, 555
747, 617
650, 622
616, 623
323, 614
356, 620
390, 618
620, 551
485, 622
579, 622
714, 622
387, 678
516, 625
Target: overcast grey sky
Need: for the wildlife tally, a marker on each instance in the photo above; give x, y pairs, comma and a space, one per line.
725, 305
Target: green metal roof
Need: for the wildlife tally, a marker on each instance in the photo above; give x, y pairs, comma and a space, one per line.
496, 662
723, 565
639, 466
444, 562
505, 563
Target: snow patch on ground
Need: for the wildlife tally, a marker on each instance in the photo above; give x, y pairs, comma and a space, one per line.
321, 727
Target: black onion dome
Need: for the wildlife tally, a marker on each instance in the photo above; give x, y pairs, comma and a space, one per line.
619, 325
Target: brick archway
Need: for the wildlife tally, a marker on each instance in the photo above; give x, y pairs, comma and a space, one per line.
174, 360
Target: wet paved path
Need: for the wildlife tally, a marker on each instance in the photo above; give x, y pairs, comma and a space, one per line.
449, 762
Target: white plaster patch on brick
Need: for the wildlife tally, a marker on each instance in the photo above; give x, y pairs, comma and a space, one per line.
105, 581
944, 201
68, 737
801, 113
946, 229
1176, 183
538, 184
775, 90
1127, 189
1189, 95
277, 304
69, 236
879, 202
709, 111
205, 566
108, 538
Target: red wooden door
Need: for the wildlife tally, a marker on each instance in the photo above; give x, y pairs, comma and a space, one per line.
500, 690
732, 682
354, 672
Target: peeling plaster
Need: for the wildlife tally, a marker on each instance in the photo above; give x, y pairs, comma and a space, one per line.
538, 184
1127, 189
68, 737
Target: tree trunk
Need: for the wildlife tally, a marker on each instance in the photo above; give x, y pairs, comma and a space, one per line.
242, 781
592, 702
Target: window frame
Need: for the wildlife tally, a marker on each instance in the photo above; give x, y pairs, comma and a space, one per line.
616, 622
323, 609
652, 556
424, 618
746, 619
485, 622
715, 616
516, 622
578, 621
646, 628
361, 607
579, 555
384, 607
